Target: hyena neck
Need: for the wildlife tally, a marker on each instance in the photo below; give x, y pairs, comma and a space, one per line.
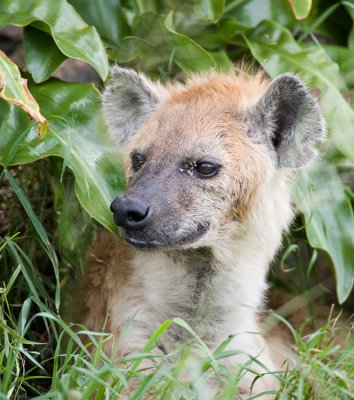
220, 283
217, 289
199, 265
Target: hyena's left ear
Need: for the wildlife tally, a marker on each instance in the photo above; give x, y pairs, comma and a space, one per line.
288, 119
128, 101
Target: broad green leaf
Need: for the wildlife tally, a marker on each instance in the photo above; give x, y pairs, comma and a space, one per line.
74, 227
344, 57
42, 56
14, 90
77, 135
144, 6
106, 15
351, 39
277, 51
222, 60
187, 54
329, 220
349, 5
300, 8
210, 10
71, 34
216, 36
148, 47
251, 12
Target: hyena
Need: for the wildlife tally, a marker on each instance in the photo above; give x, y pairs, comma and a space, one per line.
207, 166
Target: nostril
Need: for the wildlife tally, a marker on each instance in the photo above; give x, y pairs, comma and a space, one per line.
131, 213
137, 216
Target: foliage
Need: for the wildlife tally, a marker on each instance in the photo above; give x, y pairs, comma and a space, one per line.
162, 38
60, 129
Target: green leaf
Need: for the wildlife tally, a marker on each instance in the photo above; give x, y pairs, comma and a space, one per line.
210, 10
14, 90
349, 5
187, 54
344, 57
300, 8
74, 227
251, 12
329, 220
77, 134
106, 15
218, 35
42, 56
149, 46
71, 34
277, 51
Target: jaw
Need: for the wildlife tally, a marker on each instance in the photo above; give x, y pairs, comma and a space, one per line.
149, 242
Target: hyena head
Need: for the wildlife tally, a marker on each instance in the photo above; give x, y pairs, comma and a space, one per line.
199, 156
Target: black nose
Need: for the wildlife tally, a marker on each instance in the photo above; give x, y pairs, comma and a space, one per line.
130, 213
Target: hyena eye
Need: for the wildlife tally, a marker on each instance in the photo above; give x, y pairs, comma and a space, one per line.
137, 161
206, 169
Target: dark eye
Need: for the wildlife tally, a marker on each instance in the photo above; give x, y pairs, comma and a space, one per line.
137, 161
206, 169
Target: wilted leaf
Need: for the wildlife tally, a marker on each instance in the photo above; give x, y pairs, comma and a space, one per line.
301, 8
77, 134
329, 220
14, 90
71, 34
42, 56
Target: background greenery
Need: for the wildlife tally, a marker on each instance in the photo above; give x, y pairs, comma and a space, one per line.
50, 205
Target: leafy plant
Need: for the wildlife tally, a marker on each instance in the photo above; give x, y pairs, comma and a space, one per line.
162, 38
49, 127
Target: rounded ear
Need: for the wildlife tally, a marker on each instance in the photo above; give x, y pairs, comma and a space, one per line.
288, 119
128, 100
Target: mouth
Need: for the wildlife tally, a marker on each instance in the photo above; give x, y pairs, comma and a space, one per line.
152, 244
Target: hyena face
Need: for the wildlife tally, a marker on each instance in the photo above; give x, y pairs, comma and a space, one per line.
198, 156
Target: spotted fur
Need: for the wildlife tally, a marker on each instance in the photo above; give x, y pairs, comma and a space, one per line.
212, 238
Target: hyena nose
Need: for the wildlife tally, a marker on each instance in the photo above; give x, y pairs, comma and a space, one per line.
130, 213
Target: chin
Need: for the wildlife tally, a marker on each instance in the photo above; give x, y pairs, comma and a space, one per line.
147, 242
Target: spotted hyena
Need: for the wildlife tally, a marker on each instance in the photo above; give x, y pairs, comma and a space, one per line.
207, 164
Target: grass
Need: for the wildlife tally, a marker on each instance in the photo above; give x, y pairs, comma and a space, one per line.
42, 356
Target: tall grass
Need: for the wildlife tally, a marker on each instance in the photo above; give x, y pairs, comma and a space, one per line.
44, 234
44, 357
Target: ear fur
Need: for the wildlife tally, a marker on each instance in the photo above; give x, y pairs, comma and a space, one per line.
288, 119
128, 100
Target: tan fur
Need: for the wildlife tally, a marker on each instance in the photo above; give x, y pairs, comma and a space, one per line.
215, 282
107, 266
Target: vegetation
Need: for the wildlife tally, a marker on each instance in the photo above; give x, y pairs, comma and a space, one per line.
60, 170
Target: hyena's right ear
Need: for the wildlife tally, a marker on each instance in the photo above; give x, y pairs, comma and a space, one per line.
128, 100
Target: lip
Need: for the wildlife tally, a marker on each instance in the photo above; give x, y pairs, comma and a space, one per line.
156, 244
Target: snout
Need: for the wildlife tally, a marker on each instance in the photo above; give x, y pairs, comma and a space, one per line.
131, 213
